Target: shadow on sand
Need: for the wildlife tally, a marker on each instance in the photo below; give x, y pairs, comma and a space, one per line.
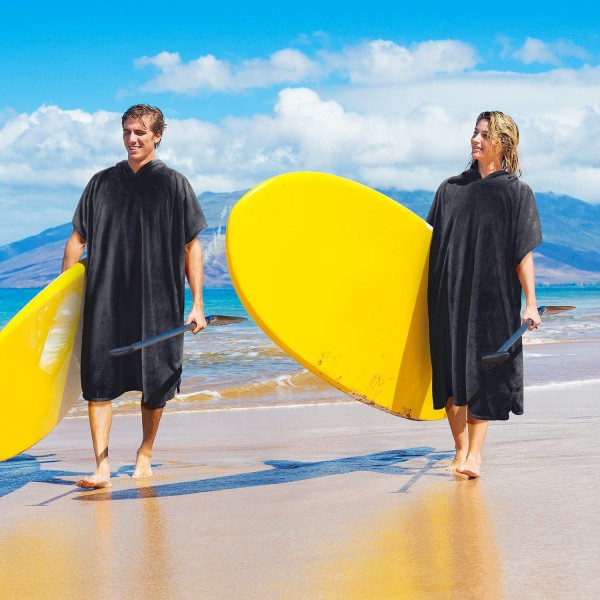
390, 462
27, 468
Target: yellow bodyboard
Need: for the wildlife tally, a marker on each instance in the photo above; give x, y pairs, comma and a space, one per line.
336, 274
40, 363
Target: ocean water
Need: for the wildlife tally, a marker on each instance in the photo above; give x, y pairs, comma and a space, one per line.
239, 367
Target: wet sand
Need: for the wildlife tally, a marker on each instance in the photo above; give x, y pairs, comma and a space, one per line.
325, 501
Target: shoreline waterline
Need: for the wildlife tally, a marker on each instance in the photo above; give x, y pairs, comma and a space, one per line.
237, 366
131, 408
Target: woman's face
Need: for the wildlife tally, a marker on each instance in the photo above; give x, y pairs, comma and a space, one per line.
482, 149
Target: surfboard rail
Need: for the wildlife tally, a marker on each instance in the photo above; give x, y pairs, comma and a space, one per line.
39, 363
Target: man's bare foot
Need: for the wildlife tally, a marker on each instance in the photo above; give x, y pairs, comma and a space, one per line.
99, 479
143, 467
459, 458
471, 467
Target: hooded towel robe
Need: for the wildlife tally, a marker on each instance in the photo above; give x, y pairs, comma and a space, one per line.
136, 226
482, 229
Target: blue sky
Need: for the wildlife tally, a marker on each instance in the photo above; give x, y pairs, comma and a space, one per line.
382, 92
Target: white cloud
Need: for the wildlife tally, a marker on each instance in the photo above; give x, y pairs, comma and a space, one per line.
408, 136
384, 62
373, 63
534, 50
284, 66
205, 72
208, 73
52, 146
549, 53
558, 113
46, 158
505, 44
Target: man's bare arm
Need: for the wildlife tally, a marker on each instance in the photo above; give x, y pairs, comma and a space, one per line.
194, 271
73, 250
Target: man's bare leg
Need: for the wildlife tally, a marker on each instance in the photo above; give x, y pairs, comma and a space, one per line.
457, 419
477, 433
150, 421
100, 414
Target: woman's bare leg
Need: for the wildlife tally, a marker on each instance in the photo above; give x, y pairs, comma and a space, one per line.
477, 433
457, 419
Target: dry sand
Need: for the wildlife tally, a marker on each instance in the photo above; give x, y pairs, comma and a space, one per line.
330, 501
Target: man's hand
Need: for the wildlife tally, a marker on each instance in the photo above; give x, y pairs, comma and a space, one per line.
531, 313
196, 316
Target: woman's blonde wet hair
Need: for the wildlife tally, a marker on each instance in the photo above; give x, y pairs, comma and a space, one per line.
503, 130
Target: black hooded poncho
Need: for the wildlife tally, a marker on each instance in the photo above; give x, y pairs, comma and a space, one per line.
482, 229
136, 226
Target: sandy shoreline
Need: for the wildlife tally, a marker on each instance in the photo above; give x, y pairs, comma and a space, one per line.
547, 365
322, 501
557, 363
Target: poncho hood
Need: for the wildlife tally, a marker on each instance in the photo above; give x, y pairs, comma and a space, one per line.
150, 168
472, 174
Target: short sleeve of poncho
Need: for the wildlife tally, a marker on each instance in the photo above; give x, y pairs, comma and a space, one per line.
528, 230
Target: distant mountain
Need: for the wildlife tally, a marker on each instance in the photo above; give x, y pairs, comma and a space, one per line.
571, 231
56, 234
569, 253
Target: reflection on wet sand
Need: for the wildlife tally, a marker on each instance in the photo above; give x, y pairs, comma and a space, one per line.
102, 557
300, 503
439, 546
151, 559
111, 550
48, 559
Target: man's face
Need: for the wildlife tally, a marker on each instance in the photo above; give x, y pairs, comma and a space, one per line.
139, 142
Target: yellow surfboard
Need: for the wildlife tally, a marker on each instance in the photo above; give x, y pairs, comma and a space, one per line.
336, 274
40, 363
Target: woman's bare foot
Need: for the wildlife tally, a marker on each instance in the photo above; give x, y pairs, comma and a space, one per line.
99, 479
471, 467
143, 467
459, 458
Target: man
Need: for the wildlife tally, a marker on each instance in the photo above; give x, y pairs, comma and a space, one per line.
140, 221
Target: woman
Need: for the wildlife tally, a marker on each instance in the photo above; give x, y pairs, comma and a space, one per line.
485, 226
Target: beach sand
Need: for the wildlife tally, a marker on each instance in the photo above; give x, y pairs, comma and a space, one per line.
323, 501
